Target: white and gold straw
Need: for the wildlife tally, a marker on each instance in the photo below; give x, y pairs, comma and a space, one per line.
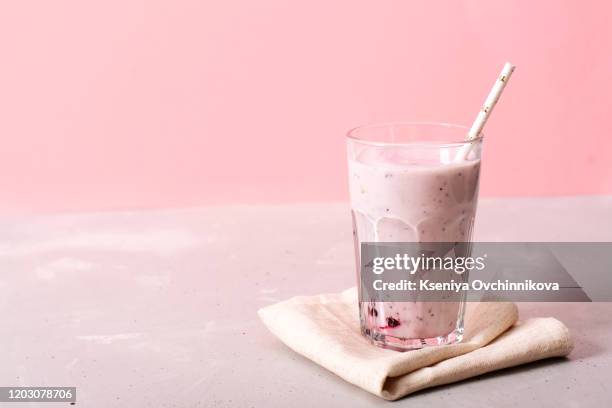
486, 110
490, 102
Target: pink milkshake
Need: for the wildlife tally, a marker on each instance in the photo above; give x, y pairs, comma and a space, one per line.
406, 185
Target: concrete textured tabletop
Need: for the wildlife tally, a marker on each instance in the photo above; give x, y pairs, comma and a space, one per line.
158, 308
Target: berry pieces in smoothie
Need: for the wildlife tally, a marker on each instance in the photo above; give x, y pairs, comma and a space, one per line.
372, 311
392, 322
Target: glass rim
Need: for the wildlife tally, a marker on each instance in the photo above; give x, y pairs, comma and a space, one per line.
352, 136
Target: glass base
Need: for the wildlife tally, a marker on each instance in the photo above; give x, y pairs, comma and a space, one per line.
404, 344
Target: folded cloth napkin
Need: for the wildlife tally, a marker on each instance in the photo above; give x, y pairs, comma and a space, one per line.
325, 329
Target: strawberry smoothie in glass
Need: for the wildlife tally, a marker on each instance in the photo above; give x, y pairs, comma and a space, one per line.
412, 182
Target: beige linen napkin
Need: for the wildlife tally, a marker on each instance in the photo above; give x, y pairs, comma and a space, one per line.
325, 329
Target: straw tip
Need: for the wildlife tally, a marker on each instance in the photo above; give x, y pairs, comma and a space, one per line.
509, 66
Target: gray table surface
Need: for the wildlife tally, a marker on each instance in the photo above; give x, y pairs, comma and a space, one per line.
158, 308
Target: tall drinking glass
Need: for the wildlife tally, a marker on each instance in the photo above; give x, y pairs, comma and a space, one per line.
417, 183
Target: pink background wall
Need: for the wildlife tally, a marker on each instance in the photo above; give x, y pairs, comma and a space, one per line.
141, 103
